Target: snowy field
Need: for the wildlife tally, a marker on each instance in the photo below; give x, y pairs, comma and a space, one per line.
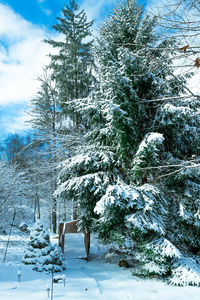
94, 279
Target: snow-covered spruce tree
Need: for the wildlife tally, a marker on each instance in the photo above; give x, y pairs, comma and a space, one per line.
125, 113
131, 69
72, 65
40, 253
133, 73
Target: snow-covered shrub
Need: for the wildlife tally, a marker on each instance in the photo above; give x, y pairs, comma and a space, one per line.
23, 226
51, 260
39, 235
40, 253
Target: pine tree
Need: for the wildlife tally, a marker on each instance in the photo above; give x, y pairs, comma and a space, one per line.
134, 73
40, 253
72, 66
135, 178
122, 109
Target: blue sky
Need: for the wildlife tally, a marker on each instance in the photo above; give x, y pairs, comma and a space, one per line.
23, 26
38, 12
44, 12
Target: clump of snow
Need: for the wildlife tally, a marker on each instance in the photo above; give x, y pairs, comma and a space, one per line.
154, 268
165, 248
147, 155
151, 139
117, 195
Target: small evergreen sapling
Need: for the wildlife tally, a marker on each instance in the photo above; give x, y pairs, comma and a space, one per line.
40, 253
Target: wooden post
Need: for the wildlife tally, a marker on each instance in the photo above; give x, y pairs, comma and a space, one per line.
61, 240
87, 243
63, 243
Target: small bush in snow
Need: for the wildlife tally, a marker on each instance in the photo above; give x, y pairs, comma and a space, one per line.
40, 253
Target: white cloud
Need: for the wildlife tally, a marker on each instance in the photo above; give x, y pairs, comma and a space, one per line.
22, 57
96, 11
17, 124
47, 11
15, 120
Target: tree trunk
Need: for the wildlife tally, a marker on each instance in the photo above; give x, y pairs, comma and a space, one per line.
54, 177
75, 211
77, 121
65, 210
54, 215
38, 207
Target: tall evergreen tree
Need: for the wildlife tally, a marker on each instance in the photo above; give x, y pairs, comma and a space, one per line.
134, 134
133, 73
72, 65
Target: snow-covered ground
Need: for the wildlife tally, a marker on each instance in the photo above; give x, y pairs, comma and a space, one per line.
94, 279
